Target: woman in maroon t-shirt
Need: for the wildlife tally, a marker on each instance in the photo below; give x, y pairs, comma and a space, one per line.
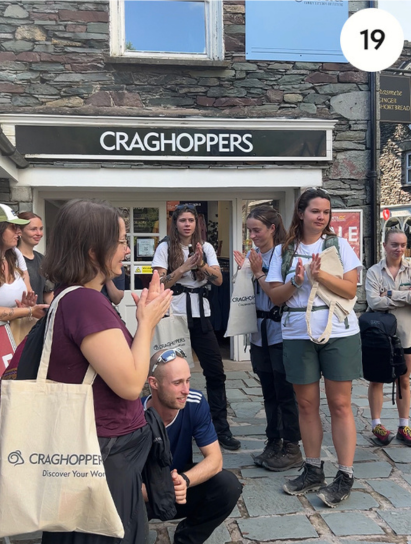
87, 247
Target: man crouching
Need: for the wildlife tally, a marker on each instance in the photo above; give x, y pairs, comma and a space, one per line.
205, 493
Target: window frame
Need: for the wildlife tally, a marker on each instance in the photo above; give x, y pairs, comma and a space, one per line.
407, 168
214, 35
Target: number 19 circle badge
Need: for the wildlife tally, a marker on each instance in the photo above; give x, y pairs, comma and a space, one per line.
372, 40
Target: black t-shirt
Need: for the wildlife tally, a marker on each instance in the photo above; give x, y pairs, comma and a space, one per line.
37, 281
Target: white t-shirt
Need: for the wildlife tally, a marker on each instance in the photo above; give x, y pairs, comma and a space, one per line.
263, 302
293, 323
178, 303
10, 292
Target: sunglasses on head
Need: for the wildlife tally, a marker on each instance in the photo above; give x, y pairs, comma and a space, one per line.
168, 356
190, 207
317, 190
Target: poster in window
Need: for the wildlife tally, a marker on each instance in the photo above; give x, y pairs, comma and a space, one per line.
145, 247
348, 224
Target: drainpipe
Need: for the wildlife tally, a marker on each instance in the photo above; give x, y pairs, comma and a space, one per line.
9, 150
373, 172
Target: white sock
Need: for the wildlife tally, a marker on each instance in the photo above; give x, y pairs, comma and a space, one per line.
375, 422
403, 422
347, 470
313, 461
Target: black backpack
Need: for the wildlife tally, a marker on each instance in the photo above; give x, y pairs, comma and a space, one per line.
382, 354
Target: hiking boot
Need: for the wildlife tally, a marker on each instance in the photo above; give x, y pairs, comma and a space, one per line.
311, 479
404, 434
271, 449
289, 457
229, 442
338, 490
382, 434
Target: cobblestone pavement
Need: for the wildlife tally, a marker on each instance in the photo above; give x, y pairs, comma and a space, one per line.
378, 510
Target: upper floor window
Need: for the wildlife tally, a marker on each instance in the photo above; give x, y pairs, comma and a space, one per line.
167, 29
407, 172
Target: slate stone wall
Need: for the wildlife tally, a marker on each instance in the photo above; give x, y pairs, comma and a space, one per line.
54, 60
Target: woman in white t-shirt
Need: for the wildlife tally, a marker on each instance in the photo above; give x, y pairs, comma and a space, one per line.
186, 264
338, 361
17, 300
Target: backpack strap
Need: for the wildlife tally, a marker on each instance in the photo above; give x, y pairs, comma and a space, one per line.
287, 259
330, 241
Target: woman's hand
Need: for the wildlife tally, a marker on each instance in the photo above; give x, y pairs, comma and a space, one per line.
39, 310
239, 259
27, 299
192, 262
315, 266
299, 272
256, 263
152, 311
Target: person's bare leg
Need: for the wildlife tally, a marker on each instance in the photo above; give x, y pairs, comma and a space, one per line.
342, 420
308, 399
375, 399
403, 404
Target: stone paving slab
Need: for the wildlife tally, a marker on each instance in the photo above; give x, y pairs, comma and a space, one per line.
277, 528
360, 402
235, 513
254, 391
219, 536
398, 520
351, 523
397, 495
359, 389
361, 454
250, 430
246, 422
407, 478
235, 384
251, 382
235, 460
252, 445
236, 395
386, 413
246, 409
262, 498
238, 374
358, 501
374, 469
259, 472
400, 454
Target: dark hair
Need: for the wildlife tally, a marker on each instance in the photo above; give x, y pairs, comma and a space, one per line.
296, 230
81, 226
175, 253
9, 255
389, 232
270, 216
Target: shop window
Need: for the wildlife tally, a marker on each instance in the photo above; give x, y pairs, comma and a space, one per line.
168, 29
407, 169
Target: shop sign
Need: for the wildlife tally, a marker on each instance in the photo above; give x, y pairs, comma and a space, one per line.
348, 224
386, 214
395, 99
165, 143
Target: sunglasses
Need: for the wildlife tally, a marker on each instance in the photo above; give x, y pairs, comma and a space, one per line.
190, 207
317, 190
168, 356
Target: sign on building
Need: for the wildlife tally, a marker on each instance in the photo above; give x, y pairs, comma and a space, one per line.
348, 224
395, 99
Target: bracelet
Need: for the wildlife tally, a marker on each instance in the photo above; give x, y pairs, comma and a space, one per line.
202, 264
186, 478
30, 316
295, 284
259, 277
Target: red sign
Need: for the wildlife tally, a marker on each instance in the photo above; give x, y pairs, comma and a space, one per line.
348, 224
7, 347
386, 214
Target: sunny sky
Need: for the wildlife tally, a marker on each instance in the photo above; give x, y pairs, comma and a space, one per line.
401, 9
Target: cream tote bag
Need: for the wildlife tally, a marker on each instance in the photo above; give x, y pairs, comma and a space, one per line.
172, 332
243, 313
52, 473
341, 307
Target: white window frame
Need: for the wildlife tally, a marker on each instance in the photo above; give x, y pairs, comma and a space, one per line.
214, 34
407, 168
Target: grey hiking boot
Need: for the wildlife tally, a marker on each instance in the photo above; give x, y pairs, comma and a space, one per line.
271, 449
338, 490
311, 479
289, 457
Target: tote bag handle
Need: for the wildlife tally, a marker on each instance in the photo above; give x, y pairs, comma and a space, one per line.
48, 340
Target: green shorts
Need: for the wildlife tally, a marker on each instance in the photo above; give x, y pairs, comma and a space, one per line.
338, 360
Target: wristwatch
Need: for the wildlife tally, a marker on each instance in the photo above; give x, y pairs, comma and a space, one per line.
186, 478
294, 283
389, 293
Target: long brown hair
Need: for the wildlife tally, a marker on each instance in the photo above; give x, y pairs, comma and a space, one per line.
270, 216
175, 253
10, 258
81, 226
296, 230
